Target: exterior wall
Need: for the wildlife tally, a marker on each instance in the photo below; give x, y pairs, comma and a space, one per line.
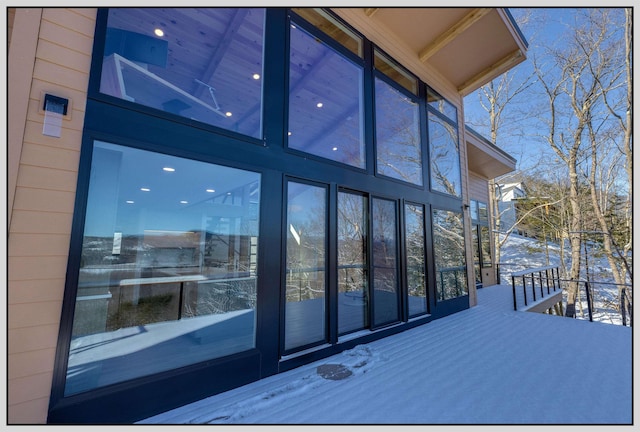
55, 44
50, 52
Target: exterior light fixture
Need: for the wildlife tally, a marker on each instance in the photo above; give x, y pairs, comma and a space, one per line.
256, 76
228, 113
145, 189
210, 190
168, 169
319, 104
129, 201
158, 32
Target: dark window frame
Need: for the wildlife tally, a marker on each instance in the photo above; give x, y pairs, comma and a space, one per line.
174, 135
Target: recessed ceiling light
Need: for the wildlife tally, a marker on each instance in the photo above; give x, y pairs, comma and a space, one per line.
145, 189
289, 133
211, 190
228, 113
159, 32
184, 202
319, 104
168, 169
256, 76
129, 202
335, 148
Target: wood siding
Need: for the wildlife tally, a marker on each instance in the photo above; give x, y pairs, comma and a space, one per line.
49, 52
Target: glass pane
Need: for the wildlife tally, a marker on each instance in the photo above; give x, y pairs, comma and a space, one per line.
415, 255
353, 299
168, 268
445, 156
485, 244
398, 150
333, 28
325, 101
204, 64
391, 69
483, 215
306, 265
385, 262
474, 210
476, 253
448, 250
442, 105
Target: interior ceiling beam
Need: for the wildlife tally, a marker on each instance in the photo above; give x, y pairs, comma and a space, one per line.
221, 50
505, 63
370, 11
453, 32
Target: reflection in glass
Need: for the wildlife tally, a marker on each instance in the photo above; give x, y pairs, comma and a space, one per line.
449, 253
353, 299
306, 265
325, 101
445, 156
415, 256
394, 71
168, 267
442, 105
476, 255
204, 64
332, 27
385, 262
485, 246
398, 151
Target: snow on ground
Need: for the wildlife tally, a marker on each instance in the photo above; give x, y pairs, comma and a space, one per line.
485, 365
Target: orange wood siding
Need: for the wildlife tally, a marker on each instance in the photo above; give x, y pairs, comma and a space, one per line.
55, 47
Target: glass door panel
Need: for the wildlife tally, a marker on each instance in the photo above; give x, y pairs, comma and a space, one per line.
385, 262
353, 298
415, 256
306, 265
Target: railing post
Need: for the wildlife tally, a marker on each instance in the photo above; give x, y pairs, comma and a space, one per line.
546, 273
513, 286
586, 286
524, 289
533, 286
622, 307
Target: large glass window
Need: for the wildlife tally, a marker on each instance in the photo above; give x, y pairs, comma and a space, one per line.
415, 258
306, 265
384, 225
449, 253
398, 144
204, 64
445, 156
353, 297
168, 267
325, 101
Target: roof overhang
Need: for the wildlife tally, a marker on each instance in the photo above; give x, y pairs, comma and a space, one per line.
468, 46
486, 159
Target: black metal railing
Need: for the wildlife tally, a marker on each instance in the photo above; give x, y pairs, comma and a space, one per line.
531, 285
621, 302
548, 283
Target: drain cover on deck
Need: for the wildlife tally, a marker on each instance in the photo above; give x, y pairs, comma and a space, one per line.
332, 371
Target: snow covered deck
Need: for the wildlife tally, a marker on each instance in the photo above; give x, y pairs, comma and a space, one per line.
485, 365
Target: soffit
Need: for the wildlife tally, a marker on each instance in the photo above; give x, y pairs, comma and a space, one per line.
485, 159
467, 46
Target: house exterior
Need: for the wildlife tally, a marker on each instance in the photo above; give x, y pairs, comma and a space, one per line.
507, 195
201, 198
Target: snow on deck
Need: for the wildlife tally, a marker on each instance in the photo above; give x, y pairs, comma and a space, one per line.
485, 365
